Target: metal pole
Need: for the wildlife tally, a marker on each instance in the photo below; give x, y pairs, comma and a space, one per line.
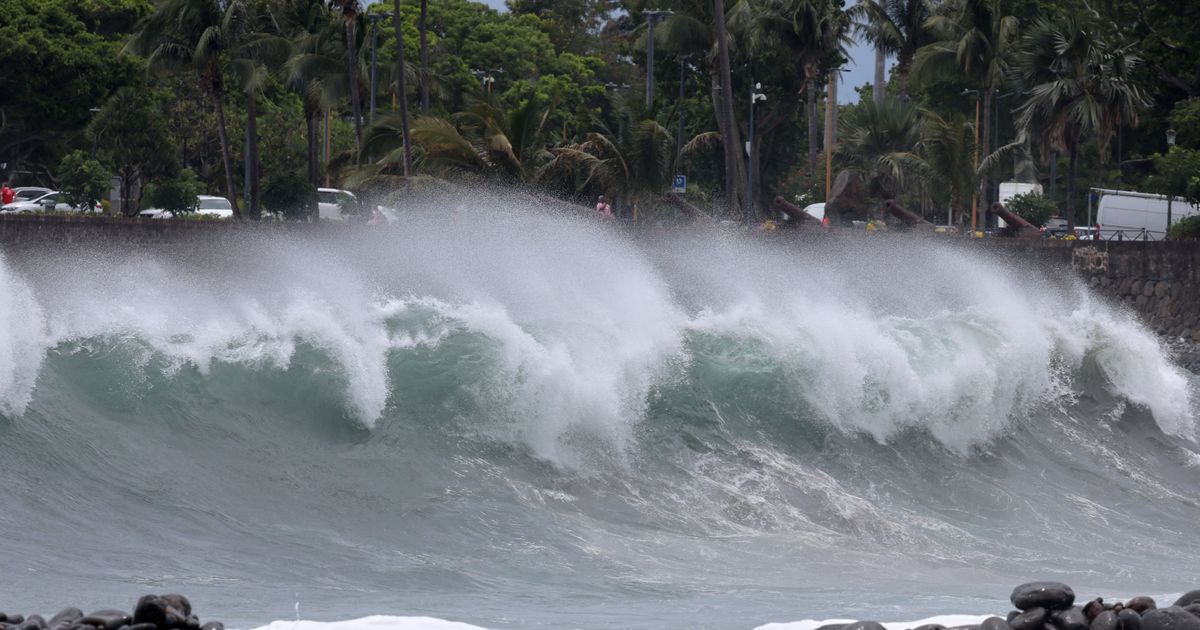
750, 160
828, 137
328, 141
679, 107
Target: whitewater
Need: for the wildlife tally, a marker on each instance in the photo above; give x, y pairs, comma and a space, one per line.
517, 419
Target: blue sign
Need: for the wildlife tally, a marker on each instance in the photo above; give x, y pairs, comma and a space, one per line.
680, 183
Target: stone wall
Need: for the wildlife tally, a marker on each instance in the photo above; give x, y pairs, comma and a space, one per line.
1160, 281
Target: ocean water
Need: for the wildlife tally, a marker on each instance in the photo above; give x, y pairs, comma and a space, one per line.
511, 419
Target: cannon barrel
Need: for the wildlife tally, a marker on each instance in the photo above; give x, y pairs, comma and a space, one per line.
910, 219
793, 211
1013, 220
684, 206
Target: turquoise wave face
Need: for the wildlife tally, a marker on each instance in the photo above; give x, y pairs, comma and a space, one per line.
535, 419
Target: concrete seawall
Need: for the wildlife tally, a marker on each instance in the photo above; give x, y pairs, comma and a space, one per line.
1158, 280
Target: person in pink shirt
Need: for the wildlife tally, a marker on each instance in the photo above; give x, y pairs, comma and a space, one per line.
7, 195
604, 209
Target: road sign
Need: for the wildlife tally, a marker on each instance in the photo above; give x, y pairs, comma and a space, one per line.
680, 183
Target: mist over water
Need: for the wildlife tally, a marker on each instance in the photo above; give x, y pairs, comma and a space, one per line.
525, 420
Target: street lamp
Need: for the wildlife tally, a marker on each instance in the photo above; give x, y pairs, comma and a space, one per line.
755, 96
375, 17
652, 16
679, 136
1170, 193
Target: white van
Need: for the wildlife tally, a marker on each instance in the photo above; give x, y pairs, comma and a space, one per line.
329, 203
1138, 216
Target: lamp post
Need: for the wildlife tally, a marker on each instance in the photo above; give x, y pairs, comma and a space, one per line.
652, 16
679, 106
375, 18
755, 96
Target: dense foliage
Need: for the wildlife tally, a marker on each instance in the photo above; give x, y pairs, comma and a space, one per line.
264, 100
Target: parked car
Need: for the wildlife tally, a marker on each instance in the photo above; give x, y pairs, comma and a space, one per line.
51, 202
330, 202
29, 193
206, 206
1056, 226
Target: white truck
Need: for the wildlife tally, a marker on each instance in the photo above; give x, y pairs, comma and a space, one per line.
1127, 215
1008, 190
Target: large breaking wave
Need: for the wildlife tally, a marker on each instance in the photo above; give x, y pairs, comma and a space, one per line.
525, 420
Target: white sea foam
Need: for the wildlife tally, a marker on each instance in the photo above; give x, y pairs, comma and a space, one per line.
374, 622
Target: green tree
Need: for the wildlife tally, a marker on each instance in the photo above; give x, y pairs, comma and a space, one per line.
134, 139
895, 27
1033, 207
1079, 88
195, 34
976, 39
82, 180
948, 152
883, 140
177, 195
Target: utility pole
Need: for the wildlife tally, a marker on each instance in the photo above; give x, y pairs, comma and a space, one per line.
652, 16
755, 96
830, 114
679, 107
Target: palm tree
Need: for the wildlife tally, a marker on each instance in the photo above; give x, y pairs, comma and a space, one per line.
895, 27
635, 169
423, 29
350, 12
314, 69
729, 133
255, 56
196, 34
817, 33
402, 88
883, 140
975, 39
1079, 88
948, 151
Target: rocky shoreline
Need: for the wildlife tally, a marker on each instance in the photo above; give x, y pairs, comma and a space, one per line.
152, 612
1051, 606
1038, 606
1185, 353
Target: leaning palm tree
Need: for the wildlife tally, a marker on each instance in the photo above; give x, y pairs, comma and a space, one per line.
196, 34
1079, 88
895, 27
977, 40
635, 169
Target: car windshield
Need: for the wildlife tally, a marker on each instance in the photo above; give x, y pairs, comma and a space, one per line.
30, 194
51, 198
327, 196
215, 204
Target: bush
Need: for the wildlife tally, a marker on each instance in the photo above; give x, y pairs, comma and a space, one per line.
1033, 207
177, 194
83, 181
1186, 229
290, 195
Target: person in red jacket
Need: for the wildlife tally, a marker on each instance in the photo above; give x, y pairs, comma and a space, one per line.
7, 195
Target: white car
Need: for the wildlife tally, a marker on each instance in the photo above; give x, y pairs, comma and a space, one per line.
51, 202
29, 193
329, 203
206, 205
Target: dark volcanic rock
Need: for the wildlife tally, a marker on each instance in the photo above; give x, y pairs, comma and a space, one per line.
931, 626
82, 626
13, 619
1129, 619
1141, 604
865, 625
828, 626
179, 602
1106, 620
1031, 619
66, 618
1173, 618
1093, 608
1069, 619
994, 623
150, 609
107, 619
1193, 608
34, 622
1048, 595
1190, 597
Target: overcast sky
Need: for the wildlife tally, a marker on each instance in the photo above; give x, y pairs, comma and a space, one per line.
861, 70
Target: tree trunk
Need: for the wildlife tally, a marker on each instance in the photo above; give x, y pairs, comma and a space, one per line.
424, 56
880, 68
813, 138
1074, 158
735, 188
903, 66
402, 89
723, 129
253, 203
310, 123
984, 192
352, 74
215, 92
